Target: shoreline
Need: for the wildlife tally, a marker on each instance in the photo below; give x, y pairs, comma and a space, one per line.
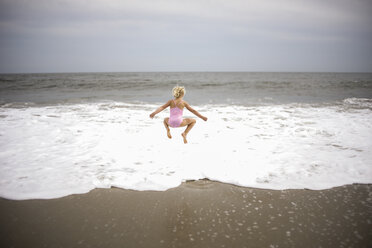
199, 213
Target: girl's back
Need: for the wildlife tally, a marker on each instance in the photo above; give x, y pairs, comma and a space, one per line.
177, 103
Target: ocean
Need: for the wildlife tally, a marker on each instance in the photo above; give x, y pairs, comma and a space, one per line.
69, 133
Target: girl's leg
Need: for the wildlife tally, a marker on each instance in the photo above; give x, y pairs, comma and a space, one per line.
189, 122
167, 127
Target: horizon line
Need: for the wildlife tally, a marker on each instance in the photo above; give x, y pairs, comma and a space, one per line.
171, 71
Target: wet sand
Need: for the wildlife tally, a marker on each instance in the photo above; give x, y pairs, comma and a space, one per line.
196, 214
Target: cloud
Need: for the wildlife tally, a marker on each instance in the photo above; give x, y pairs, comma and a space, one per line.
201, 27
117, 14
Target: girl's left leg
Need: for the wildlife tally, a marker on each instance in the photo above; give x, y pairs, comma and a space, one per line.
190, 123
167, 127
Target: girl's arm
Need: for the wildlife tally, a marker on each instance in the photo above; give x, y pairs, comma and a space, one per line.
161, 108
194, 111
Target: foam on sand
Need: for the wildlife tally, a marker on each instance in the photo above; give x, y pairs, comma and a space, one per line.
53, 151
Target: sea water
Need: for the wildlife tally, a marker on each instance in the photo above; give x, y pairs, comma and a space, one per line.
63, 134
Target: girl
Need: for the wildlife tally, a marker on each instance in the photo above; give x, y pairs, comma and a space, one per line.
176, 108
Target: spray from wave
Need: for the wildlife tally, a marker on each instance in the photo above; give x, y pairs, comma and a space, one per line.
54, 151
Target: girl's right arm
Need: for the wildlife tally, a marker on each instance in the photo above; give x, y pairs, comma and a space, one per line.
161, 108
194, 111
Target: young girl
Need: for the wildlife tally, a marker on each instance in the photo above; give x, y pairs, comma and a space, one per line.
176, 108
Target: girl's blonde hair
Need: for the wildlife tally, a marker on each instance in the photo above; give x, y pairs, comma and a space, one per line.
178, 91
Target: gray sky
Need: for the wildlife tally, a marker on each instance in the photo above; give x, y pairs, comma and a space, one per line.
189, 35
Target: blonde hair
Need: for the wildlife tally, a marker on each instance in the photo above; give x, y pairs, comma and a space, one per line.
178, 91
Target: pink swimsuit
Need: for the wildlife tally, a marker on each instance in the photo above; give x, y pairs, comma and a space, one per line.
175, 118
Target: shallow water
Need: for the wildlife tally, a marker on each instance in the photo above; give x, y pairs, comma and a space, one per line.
63, 137
54, 151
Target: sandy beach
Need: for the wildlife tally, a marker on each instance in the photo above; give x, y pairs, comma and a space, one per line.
196, 214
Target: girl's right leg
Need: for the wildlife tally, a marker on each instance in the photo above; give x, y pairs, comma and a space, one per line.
190, 123
167, 127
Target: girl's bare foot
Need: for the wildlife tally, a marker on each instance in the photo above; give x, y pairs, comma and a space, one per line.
184, 138
169, 134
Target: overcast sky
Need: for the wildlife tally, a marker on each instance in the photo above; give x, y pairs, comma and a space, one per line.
189, 35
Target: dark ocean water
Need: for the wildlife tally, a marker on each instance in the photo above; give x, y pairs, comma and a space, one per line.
243, 88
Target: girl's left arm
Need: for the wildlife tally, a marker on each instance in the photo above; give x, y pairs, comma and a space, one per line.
161, 108
195, 112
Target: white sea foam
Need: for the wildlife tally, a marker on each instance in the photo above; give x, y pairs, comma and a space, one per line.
54, 151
